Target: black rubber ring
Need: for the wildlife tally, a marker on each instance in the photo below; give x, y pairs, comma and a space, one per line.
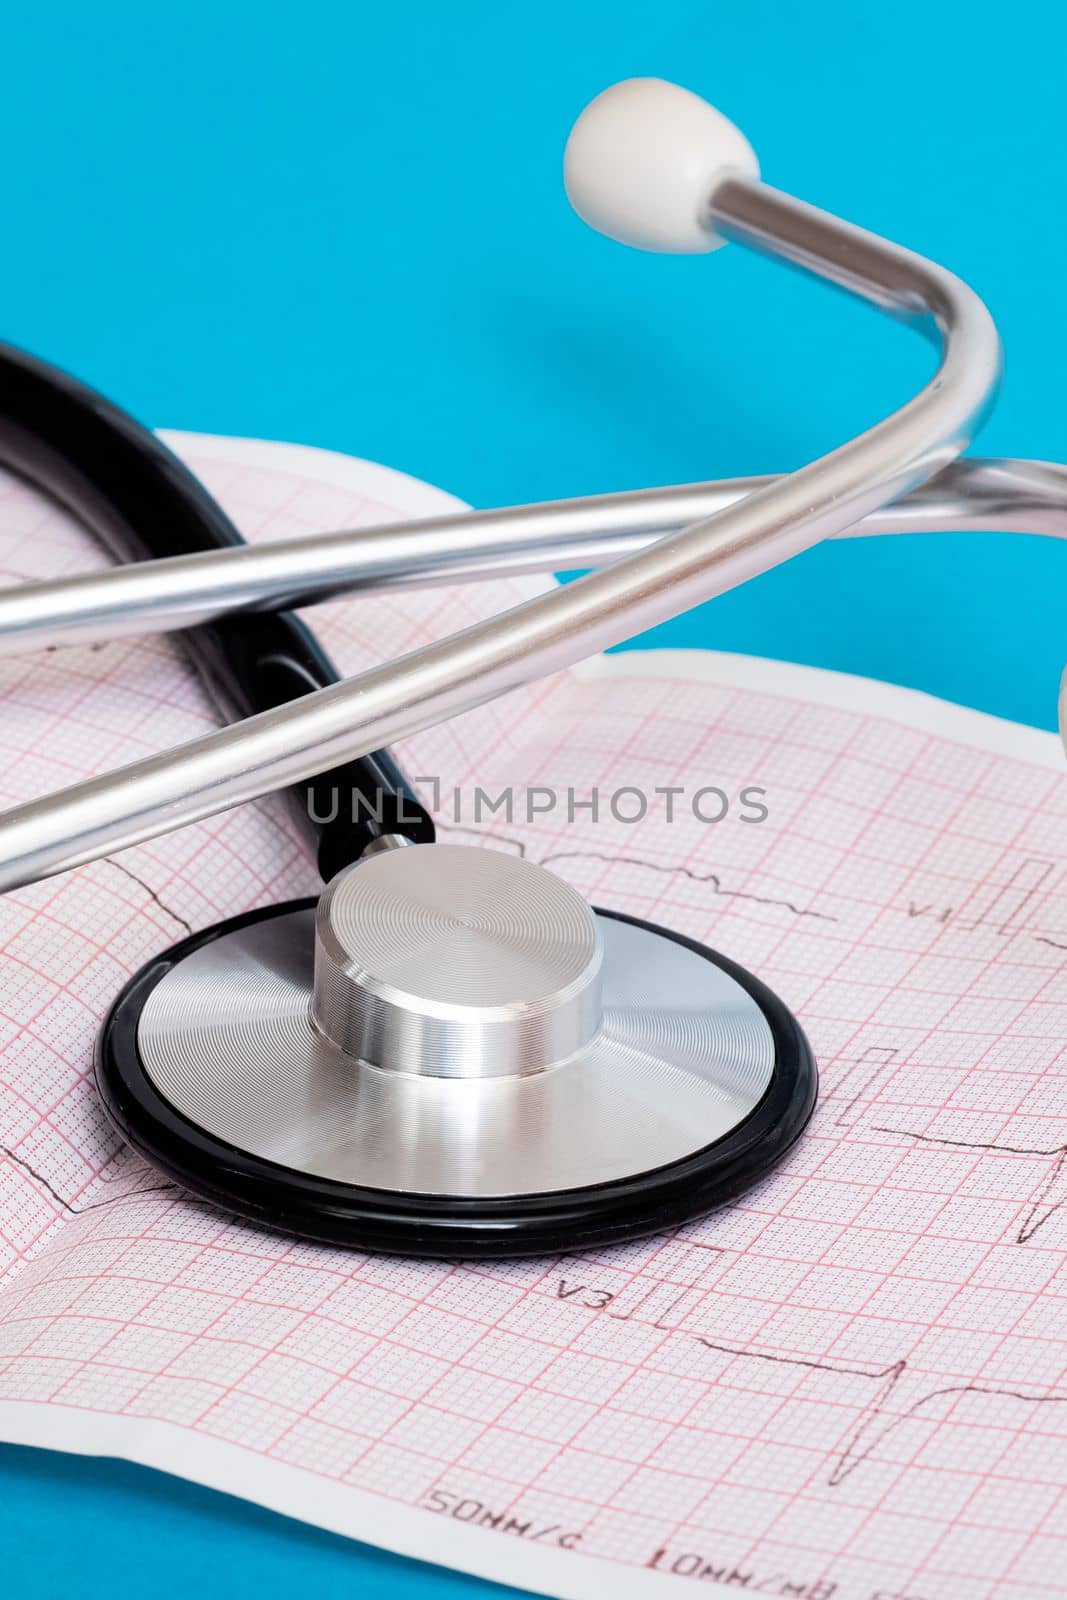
331, 1212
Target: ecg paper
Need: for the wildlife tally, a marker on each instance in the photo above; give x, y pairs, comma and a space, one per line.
852, 1383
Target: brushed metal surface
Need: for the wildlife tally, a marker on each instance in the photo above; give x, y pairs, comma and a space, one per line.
682, 1056
456, 962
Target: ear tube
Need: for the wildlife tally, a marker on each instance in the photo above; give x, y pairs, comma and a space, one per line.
643, 160
346, 721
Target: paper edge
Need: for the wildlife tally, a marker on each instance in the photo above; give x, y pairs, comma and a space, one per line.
306, 1496
845, 691
370, 479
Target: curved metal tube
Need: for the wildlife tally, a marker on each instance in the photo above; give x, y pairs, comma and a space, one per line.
969, 496
437, 682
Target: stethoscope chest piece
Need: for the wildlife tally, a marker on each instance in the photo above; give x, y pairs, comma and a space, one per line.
452, 1053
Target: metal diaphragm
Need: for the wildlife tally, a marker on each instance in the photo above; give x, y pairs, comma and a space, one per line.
455, 1043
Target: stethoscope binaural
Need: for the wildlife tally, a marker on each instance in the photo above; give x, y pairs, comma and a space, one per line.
451, 1052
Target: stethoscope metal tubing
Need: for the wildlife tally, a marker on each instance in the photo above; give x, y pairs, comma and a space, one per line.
141, 501
431, 685
973, 495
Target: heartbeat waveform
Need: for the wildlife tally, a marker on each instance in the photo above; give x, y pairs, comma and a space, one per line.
712, 880
153, 895
68, 1205
1041, 1209
877, 1423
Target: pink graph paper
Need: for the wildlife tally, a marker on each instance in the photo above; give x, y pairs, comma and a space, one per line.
850, 1384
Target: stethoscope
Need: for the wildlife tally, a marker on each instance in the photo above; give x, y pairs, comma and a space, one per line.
450, 1052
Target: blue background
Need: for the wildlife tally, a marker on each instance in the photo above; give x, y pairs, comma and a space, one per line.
344, 224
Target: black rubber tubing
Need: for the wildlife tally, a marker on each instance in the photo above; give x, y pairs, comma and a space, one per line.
143, 503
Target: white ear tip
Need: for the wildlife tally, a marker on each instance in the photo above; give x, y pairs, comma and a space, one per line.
643, 160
